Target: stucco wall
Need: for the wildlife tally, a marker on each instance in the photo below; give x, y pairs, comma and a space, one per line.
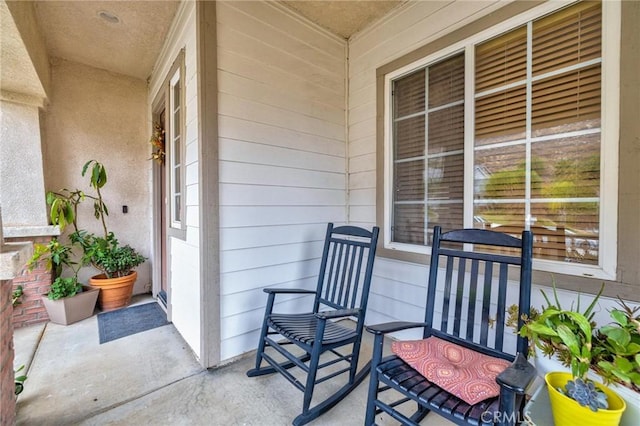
99, 115
21, 177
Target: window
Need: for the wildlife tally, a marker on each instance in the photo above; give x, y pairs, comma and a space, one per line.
176, 142
428, 150
506, 131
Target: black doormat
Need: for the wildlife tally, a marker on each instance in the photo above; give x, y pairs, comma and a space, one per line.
125, 322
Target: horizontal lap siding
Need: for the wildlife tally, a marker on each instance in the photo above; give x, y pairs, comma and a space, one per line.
282, 151
398, 288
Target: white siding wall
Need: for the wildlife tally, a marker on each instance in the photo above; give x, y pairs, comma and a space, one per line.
183, 255
282, 158
399, 288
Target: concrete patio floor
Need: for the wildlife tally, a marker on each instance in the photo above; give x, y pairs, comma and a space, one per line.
153, 378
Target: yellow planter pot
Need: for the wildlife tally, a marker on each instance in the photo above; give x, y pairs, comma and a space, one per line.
568, 412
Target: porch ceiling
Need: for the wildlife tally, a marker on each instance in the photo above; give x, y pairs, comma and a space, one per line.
343, 18
74, 30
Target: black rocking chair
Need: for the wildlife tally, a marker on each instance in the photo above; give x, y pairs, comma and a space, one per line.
342, 292
468, 309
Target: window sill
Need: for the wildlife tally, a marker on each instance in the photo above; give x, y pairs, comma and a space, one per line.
420, 255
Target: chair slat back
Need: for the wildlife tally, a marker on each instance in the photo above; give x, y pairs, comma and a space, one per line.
472, 297
346, 267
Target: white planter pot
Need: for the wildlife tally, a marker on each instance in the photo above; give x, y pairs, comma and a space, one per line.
630, 416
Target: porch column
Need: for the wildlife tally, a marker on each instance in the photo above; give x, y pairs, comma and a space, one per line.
22, 198
21, 170
12, 257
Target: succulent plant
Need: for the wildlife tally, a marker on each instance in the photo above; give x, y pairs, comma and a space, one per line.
586, 394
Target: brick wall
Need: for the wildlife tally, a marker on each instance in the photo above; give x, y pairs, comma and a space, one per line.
34, 284
7, 386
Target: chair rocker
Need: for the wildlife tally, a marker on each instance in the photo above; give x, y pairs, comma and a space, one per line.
467, 310
342, 292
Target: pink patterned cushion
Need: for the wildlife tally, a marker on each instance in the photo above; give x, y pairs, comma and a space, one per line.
469, 375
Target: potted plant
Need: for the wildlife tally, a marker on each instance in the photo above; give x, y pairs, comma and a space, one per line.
569, 335
67, 301
618, 358
116, 263
104, 252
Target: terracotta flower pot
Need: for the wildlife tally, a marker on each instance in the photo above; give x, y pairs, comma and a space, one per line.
115, 293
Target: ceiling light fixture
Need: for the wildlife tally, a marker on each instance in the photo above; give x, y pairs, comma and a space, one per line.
109, 17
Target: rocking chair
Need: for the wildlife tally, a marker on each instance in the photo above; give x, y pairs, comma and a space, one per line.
463, 337
342, 292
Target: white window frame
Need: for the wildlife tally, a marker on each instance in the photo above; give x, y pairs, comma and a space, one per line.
176, 130
610, 101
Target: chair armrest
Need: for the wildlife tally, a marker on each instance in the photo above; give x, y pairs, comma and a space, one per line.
340, 313
518, 376
288, 290
390, 327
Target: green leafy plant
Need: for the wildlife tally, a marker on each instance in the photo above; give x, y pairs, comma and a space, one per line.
542, 329
16, 295
64, 203
64, 287
569, 334
103, 252
98, 179
619, 358
63, 207
107, 255
615, 347
55, 254
19, 380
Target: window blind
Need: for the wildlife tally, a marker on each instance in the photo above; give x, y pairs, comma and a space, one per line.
428, 131
536, 137
556, 186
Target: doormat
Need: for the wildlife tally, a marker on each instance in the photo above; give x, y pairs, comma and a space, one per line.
125, 322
